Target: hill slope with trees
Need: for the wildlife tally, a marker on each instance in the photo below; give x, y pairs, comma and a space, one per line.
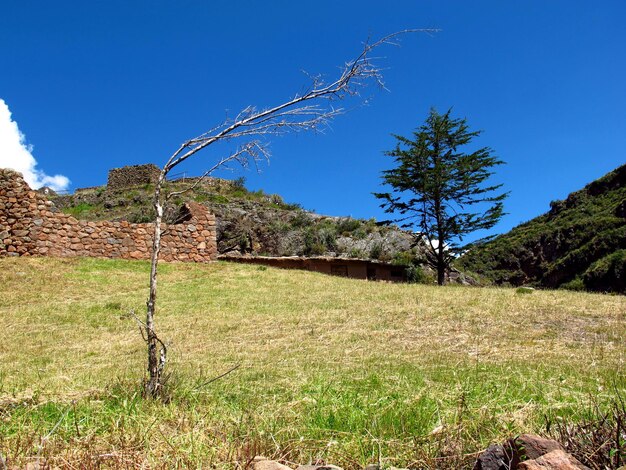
579, 244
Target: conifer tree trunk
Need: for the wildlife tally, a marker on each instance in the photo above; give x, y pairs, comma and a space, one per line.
441, 271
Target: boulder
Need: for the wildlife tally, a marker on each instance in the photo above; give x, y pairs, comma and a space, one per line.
554, 460
529, 447
495, 457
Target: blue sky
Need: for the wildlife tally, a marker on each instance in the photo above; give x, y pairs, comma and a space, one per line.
102, 84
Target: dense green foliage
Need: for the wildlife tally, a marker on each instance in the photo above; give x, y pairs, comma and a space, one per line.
434, 183
578, 244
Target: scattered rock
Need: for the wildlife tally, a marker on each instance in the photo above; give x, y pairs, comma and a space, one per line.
527, 452
261, 463
494, 458
555, 460
529, 447
35, 466
318, 467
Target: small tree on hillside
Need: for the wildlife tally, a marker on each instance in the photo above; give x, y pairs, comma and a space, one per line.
435, 183
310, 110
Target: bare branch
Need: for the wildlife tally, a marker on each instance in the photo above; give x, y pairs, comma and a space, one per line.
222, 375
142, 325
253, 150
303, 112
291, 115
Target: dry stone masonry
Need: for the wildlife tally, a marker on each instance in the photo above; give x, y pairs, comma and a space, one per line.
30, 225
134, 175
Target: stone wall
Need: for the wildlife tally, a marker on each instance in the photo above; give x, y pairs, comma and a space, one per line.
134, 175
346, 267
30, 225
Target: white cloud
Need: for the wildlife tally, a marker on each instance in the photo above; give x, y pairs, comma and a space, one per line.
17, 155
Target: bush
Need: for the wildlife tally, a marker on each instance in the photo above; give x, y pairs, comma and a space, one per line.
404, 258
348, 225
415, 274
301, 219
360, 233
320, 238
575, 284
328, 237
244, 243
239, 183
142, 216
278, 226
292, 206
357, 253
607, 274
376, 251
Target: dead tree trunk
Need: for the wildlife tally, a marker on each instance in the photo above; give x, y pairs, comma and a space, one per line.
303, 112
157, 350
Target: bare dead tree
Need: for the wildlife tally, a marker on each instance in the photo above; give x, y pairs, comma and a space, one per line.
310, 110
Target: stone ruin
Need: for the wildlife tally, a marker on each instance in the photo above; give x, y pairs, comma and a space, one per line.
30, 225
134, 175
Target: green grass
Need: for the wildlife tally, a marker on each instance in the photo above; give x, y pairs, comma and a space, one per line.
80, 210
343, 370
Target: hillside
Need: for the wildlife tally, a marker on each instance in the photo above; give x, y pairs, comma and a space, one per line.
579, 244
351, 372
250, 222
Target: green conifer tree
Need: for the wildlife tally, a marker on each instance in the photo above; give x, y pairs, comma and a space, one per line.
435, 184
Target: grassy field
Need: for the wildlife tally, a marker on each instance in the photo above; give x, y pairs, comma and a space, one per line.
348, 371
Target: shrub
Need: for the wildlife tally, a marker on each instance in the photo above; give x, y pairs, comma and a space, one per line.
404, 258
348, 225
357, 253
575, 284
239, 183
327, 236
415, 274
318, 241
292, 206
301, 219
376, 251
244, 242
276, 200
608, 273
360, 233
142, 216
278, 226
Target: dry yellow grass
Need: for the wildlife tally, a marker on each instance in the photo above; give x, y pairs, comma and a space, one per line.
335, 368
